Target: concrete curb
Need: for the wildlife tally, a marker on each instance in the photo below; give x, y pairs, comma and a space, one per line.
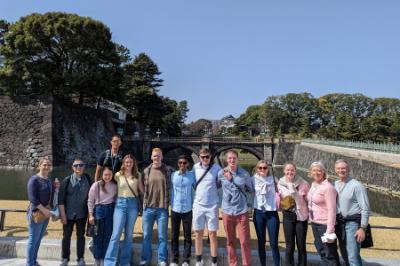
50, 249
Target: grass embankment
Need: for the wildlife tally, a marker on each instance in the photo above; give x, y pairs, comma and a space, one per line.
386, 241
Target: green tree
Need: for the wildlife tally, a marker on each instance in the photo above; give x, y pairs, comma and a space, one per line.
140, 89
142, 72
248, 121
174, 120
294, 113
384, 123
342, 115
197, 127
273, 115
61, 54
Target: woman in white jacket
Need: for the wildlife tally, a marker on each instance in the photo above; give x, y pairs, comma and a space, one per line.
266, 212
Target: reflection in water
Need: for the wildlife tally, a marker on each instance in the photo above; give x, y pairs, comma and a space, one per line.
13, 187
13, 183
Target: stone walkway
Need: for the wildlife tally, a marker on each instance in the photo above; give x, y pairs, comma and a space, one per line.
389, 159
21, 262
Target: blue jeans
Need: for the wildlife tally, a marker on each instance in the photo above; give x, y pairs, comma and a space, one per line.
151, 215
264, 220
125, 214
36, 233
104, 218
350, 248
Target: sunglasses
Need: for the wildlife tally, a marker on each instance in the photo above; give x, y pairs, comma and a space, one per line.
78, 165
205, 156
182, 162
262, 168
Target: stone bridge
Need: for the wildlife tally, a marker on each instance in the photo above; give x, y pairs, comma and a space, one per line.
261, 148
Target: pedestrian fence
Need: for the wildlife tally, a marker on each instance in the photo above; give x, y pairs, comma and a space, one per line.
369, 145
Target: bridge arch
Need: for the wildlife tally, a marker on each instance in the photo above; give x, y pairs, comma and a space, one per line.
184, 147
259, 155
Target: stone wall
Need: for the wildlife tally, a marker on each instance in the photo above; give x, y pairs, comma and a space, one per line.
25, 130
33, 127
368, 172
284, 152
79, 132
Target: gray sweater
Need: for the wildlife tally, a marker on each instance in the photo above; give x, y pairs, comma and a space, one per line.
352, 199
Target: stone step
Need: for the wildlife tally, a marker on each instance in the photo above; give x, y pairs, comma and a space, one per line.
14, 249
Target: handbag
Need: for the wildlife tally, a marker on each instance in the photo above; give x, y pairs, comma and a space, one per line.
288, 203
92, 229
368, 241
38, 217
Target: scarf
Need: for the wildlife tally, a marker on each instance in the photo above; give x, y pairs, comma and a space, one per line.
297, 181
75, 180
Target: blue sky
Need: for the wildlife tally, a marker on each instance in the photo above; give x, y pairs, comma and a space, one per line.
222, 56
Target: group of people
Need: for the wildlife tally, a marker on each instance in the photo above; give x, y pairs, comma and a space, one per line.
120, 191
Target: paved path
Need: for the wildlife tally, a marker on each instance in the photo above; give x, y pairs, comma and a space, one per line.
21, 262
390, 159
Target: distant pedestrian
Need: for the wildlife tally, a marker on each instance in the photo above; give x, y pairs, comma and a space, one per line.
353, 214
266, 212
101, 202
40, 191
293, 191
125, 213
322, 208
112, 158
72, 202
236, 183
182, 182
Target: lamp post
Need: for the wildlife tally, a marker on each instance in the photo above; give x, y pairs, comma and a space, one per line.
147, 132
158, 132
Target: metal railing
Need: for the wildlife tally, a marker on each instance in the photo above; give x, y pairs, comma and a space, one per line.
217, 139
373, 146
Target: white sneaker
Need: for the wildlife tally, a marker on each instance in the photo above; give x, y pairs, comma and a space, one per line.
199, 263
143, 262
173, 264
185, 264
213, 264
163, 263
64, 262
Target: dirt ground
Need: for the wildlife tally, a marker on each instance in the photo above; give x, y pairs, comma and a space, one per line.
386, 241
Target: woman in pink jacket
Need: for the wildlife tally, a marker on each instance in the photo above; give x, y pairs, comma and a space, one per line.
293, 189
322, 208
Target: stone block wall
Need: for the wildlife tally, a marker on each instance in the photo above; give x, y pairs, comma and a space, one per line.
33, 127
368, 172
79, 132
25, 130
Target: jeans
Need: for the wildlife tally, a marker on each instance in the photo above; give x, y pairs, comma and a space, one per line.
151, 215
267, 220
349, 247
176, 219
36, 233
327, 251
295, 232
104, 218
80, 237
125, 214
239, 224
